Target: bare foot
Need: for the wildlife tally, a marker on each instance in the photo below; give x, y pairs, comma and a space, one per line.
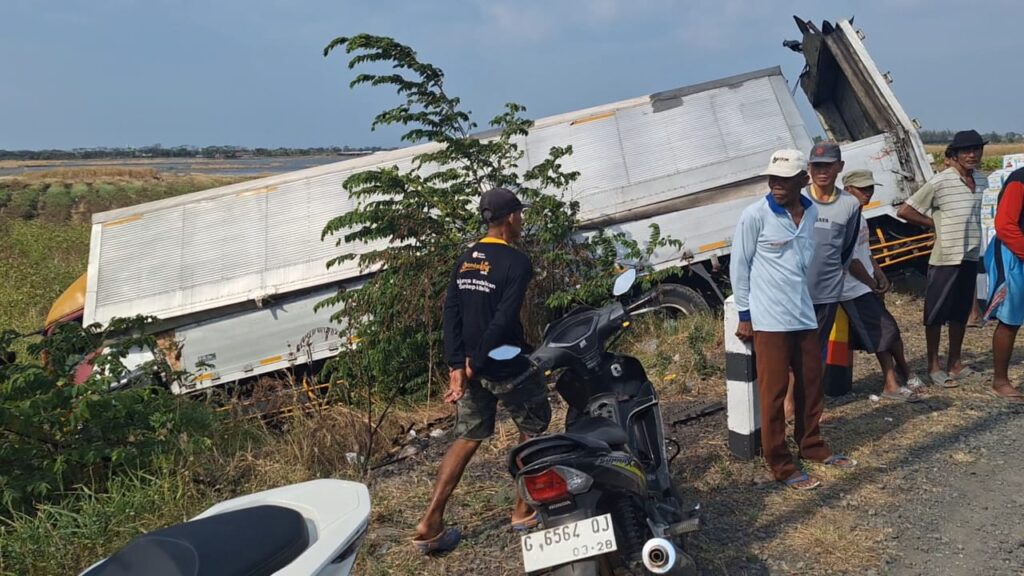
1006, 391
427, 531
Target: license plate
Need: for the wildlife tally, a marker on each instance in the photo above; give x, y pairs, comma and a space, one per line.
568, 543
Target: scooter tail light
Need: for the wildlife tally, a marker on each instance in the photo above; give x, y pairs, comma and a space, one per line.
576, 481
553, 484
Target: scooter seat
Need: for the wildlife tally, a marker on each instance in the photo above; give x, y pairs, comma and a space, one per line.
598, 428
255, 541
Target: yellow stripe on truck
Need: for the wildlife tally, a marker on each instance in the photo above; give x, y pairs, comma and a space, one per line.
124, 220
594, 118
713, 246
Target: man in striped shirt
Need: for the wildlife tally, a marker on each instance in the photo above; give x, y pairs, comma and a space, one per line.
950, 203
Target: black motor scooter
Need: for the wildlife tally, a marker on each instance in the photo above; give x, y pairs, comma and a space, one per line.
602, 489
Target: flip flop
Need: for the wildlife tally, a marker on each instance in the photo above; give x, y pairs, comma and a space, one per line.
444, 542
1008, 398
526, 524
965, 372
942, 379
902, 394
803, 477
840, 461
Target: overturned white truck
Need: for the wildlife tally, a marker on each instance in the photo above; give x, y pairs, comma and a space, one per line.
233, 273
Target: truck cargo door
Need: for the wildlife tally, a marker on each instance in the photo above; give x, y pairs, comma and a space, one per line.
852, 98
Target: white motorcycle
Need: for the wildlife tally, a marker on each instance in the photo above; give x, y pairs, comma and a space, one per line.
308, 529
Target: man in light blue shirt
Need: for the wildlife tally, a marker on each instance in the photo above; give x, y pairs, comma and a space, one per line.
772, 252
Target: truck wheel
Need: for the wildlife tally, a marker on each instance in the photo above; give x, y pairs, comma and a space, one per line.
683, 300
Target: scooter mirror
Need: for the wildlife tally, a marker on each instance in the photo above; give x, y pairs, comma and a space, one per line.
624, 282
505, 352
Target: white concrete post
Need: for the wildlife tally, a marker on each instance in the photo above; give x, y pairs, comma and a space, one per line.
743, 405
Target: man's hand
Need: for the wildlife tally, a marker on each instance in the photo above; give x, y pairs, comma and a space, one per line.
882, 285
745, 331
469, 369
456, 386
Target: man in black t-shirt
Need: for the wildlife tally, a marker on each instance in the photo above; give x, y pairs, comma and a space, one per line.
481, 313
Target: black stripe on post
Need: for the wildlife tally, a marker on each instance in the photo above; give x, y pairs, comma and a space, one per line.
740, 367
745, 446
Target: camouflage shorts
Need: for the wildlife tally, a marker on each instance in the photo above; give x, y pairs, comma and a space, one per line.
525, 399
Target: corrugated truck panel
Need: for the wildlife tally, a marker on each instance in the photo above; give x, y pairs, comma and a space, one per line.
258, 239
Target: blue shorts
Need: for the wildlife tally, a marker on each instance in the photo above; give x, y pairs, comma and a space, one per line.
1006, 285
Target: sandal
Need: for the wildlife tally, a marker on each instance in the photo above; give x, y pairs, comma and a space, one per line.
444, 542
902, 394
1017, 398
840, 461
965, 372
799, 483
529, 523
942, 379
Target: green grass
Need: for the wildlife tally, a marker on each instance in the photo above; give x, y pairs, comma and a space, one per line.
38, 261
74, 194
85, 527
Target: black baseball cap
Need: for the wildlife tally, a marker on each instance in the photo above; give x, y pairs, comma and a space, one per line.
499, 202
825, 152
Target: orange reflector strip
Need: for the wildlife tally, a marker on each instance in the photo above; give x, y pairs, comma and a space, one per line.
713, 246
594, 118
271, 360
264, 190
124, 220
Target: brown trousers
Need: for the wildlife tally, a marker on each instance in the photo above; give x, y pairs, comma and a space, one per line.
776, 353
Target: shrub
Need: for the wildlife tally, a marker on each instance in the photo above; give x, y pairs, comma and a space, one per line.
56, 204
57, 435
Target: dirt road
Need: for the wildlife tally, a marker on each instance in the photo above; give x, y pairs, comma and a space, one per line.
938, 491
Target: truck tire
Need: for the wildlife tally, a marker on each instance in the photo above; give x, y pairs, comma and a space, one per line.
683, 300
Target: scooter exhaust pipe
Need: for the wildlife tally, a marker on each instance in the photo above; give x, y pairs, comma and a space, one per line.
662, 557
659, 556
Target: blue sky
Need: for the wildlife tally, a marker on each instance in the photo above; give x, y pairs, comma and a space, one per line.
250, 73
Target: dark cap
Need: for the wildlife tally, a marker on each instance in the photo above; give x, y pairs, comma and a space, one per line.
825, 152
967, 139
497, 203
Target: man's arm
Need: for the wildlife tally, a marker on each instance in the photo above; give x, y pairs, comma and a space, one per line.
914, 208
858, 271
910, 214
506, 314
454, 346
744, 246
1008, 218
850, 238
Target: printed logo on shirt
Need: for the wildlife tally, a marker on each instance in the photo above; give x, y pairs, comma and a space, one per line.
475, 285
482, 267
479, 255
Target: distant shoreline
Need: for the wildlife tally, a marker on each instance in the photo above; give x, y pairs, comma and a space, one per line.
237, 166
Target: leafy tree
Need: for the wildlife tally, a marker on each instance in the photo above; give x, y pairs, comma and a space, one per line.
425, 217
